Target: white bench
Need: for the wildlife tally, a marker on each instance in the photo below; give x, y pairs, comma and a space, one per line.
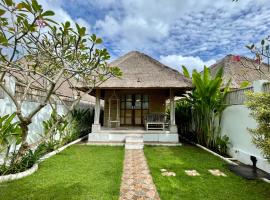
155, 121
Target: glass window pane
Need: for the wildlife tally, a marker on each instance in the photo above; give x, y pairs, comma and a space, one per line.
138, 117
122, 97
128, 105
145, 105
122, 105
137, 97
145, 97
122, 113
128, 113
129, 97
128, 120
138, 105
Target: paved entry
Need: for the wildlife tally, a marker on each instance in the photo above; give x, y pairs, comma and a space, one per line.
137, 183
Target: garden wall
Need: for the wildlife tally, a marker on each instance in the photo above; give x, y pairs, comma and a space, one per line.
235, 123
36, 127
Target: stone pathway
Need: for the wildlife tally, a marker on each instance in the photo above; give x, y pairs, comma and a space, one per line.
137, 183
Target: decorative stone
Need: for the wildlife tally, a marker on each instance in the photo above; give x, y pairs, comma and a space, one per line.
163, 170
192, 172
216, 172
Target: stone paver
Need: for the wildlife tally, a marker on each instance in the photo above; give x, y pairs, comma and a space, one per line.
192, 172
217, 172
137, 183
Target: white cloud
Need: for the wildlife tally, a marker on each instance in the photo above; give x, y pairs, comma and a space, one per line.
61, 15
190, 62
195, 30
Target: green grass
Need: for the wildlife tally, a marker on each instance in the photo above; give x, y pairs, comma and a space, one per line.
79, 172
206, 186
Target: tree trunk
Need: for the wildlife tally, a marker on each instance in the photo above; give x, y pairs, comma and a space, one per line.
24, 145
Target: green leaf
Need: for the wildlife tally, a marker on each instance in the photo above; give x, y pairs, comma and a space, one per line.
93, 37
47, 13
82, 31
35, 5
2, 12
262, 42
244, 84
67, 25
185, 72
3, 39
8, 2
98, 41
220, 72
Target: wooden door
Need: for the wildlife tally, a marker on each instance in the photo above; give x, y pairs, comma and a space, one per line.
133, 108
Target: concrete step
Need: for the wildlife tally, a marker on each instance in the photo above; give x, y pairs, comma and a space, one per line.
134, 142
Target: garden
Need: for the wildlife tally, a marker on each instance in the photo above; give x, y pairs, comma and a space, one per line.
40, 55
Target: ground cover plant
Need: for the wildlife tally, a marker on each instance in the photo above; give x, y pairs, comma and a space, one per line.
205, 186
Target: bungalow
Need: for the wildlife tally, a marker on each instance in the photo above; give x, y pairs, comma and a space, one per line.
135, 103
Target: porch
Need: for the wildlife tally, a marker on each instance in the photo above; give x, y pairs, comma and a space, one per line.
119, 135
126, 114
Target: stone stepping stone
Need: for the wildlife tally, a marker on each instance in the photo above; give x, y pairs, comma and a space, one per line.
217, 172
192, 172
164, 172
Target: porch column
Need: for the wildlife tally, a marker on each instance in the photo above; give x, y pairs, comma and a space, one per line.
173, 127
96, 125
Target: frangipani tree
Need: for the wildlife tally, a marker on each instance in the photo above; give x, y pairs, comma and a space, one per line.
42, 54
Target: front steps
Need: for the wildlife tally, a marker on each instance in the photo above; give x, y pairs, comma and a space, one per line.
134, 142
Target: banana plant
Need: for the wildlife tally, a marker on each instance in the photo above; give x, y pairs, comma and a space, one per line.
208, 102
10, 134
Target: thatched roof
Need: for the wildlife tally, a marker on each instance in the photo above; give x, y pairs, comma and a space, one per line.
142, 71
239, 71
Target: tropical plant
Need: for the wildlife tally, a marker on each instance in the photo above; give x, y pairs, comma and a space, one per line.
259, 104
39, 53
30, 158
183, 117
10, 134
222, 144
84, 119
208, 102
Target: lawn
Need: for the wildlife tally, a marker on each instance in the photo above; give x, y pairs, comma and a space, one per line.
79, 172
205, 186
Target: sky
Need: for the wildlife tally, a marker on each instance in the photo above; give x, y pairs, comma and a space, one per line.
193, 33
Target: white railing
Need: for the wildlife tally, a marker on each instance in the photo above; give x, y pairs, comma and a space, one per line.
237, 97
266, 87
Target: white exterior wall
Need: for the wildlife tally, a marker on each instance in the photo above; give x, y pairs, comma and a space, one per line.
235, 122
36, 127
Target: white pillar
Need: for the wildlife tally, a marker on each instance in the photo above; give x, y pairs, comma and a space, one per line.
173, 127
96, 125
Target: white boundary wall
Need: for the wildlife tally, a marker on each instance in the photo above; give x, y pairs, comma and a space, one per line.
36, 127
235, 122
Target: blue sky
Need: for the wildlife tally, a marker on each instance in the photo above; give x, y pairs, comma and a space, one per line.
175, 32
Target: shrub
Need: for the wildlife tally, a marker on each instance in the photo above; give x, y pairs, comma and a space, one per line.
84, 119
26, 162
222, 144
259, 104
